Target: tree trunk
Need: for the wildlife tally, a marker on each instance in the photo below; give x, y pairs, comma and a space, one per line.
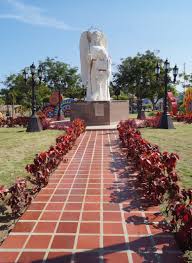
13, 110
153, 106
154, 103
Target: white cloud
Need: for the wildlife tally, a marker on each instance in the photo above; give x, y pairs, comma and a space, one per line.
33, 15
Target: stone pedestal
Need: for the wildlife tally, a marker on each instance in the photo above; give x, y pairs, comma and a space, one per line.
100, 112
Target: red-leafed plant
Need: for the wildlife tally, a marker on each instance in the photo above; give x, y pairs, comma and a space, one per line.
19, 197
186, 118
157, 170
179, 209
45, 162
148, 122
44, 121
13, 122
159, 181
23, 122
3, 193
39, 171
153, 121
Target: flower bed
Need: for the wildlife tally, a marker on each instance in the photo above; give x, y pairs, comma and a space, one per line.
154, 121
13, 122
23, 121
158, 181
18, 196
59, 125
148, 122
186, 118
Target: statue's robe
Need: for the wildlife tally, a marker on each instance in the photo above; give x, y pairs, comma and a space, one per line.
99, 71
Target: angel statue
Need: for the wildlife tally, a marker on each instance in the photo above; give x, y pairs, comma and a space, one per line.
95, 65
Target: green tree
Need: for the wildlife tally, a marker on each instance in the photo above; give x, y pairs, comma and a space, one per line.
59, 74
55, 74
2, 102
17, 90
75, 92
129, 72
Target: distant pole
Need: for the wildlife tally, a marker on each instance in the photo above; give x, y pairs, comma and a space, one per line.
184, 83
59, 110
34, 124
166, 121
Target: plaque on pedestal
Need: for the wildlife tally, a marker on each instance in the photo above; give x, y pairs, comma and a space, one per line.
99, 109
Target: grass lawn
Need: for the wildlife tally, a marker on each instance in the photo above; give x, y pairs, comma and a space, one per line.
18, 148
177, 140
134, 115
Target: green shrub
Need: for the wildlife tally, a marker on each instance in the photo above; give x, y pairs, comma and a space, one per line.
148, 106
152, 113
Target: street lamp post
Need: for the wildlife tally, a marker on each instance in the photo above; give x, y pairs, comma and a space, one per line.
55, 83
166, 121
143, 83
59, 110
34, 124
7, 103
60, 83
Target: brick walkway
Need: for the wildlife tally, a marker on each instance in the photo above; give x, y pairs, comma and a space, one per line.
90, 212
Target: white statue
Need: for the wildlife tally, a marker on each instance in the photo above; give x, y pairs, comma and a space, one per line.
95, 65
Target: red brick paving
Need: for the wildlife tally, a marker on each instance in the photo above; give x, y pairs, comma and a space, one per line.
90, 212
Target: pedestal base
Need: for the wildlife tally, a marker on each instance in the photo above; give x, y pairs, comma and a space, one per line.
34, 124
100, 112
166, 122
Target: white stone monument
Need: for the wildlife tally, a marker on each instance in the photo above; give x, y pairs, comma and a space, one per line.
95, 65
97, 109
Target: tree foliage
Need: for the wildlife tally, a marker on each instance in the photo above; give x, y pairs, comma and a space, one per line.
132, 68
55, 74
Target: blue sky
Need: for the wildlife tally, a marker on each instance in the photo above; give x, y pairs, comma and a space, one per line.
31, 30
